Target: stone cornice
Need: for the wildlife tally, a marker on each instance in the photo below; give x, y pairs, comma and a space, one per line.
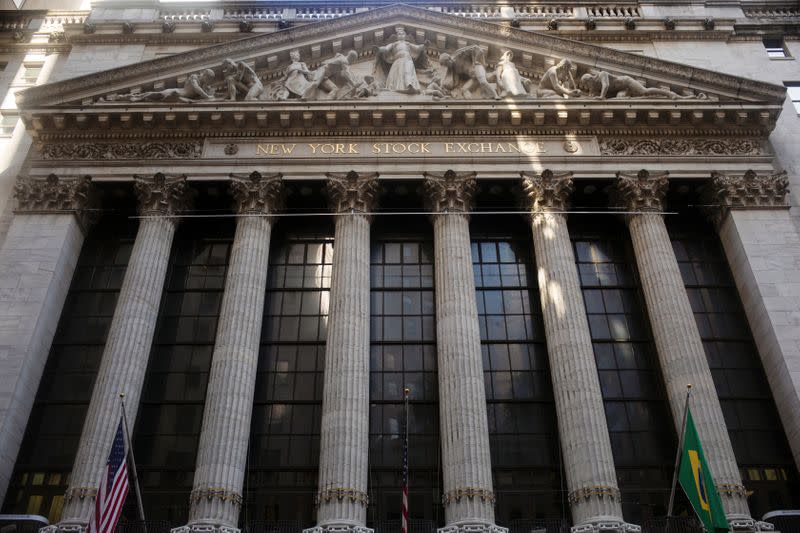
257, 194
450, 191
547, 191
640, 192
750, 191
352, 192
162, 195
478, 30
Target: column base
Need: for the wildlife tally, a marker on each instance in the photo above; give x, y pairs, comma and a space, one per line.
64, 528
748, 525
606, 526
472, 527
205, 528
339, 528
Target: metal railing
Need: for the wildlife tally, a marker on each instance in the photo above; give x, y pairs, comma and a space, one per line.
673, 524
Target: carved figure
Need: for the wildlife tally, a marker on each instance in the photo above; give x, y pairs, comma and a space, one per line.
240, 79
466, 72
556, 81
605, 85
198, 86
295, 81
333, 79
509, 81
396, 64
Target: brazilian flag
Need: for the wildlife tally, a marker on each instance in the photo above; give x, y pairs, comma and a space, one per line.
695, 478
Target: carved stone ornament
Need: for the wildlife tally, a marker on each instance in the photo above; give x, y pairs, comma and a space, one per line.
89, 27
547, 191
751, 191
168, 26
52, 195
641, 191
128, 150
161, 195
257, 194
352, 192
449, 192
207, 26
691, 146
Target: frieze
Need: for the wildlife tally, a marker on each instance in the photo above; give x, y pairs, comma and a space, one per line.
698, 146
129, 150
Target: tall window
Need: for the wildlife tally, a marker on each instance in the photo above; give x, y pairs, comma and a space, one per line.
759, 441
284, 440
54, 428
522, 419
639, 421
403, 354
171, 411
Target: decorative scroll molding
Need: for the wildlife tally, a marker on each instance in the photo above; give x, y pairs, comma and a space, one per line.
749, 191
52, 195
456, 495
257, 194
128, 150
585, 493
547, 191
218, 493
449, 192
352, 192
162, 195
697, 146
641, 191
341, 493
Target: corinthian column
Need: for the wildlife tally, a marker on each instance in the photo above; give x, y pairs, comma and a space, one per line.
344, 447
217, 493
37, 262
466, 463
130, 337
761, 240
680, 349
586, 447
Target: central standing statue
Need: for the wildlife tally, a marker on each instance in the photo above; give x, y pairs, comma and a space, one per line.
396, 64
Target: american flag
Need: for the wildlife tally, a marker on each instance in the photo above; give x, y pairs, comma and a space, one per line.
113, 488
404, 509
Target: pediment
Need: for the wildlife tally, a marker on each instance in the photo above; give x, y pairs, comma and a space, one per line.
357, 63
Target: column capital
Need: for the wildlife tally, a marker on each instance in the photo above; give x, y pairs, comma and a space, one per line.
642, 191
256, 194
161, 195
54, 195
352, 192
547, 191
749, 191
449, 191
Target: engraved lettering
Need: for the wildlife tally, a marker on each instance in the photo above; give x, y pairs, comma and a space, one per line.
313, 147
339, 148
425, 148
448, 147
352, 148
486, 148
287, 150
260, 150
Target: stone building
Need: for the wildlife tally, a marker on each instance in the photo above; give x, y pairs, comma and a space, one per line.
260, 222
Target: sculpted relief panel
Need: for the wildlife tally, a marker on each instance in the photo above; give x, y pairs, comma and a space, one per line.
415, 70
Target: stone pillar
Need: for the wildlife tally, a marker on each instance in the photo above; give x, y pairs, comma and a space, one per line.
216, 497
594, 496
677, 340
466, 462
761, 242
37, 261
344, 448
130, 338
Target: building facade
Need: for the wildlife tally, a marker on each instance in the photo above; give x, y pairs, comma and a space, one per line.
251, 227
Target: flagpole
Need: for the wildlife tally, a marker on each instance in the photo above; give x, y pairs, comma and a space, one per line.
680, 449
133, 462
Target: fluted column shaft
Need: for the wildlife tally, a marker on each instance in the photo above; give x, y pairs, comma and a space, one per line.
586, 447
677, 339
222, 454
127, 349
466, 461
344, 443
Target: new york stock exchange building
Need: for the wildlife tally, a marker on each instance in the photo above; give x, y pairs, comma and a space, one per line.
258, 225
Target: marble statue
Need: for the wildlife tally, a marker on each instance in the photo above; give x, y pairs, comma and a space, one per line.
508, 79
396, 64
559, 81
334, 80
242, 80
295, 81
466, 72
198, 86
605, 85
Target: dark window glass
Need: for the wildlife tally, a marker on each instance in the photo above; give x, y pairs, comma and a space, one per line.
403, 354
171, 410
759, 441
56, 421
284, 438
775, 47
639, 421
522, 419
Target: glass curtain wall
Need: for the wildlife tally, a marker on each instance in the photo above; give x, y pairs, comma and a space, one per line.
522, 418
51, 439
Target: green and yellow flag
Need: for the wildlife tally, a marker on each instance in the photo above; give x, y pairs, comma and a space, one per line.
695, 478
